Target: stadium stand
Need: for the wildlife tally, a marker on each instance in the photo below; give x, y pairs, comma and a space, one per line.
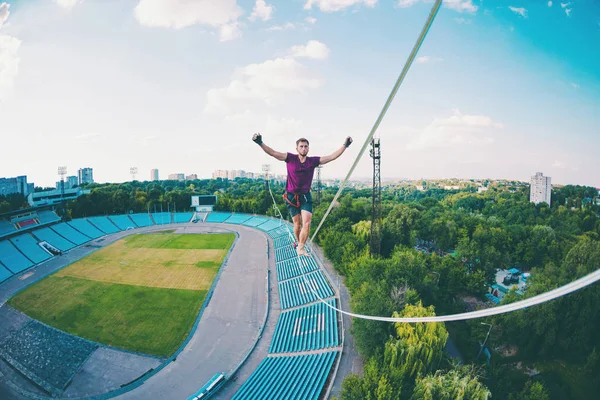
141, 219
162, 218
217, 217
254, 222
122, 221
29, 246
86, 228
279, 232
237, 219
290, 269
298, 377
296, 292
6, 228
12, 259
209, 388
70, 234
284, 240
199, 217
46, 217
48, 235
26, 222
104, 224
269, 225
308, 328
182, 217
285, 253
4, 273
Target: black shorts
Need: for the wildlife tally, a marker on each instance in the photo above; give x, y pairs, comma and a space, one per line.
305, 203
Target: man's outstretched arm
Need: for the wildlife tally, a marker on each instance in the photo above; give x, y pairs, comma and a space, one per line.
337, 153
257, 138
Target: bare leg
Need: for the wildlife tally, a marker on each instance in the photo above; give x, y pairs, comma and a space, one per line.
297, 219
306, 219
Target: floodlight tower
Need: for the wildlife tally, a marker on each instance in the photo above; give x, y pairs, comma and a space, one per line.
266, 168
319, 185
133, 171
376, 214
62, 171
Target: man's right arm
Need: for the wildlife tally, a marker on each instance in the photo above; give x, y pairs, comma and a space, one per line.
257, 138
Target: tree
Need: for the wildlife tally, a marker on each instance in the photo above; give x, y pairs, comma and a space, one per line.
456, 384
532, 391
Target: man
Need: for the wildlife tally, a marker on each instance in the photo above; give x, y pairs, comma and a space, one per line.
300, 171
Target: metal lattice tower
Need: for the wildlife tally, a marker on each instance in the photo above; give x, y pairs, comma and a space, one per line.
266, 168
62, 171
376, 215
318, 185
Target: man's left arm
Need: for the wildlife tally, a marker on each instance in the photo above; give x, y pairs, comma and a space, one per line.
337, 153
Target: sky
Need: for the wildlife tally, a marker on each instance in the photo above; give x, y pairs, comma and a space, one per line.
501, 89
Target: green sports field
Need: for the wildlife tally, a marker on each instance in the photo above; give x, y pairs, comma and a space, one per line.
142, 293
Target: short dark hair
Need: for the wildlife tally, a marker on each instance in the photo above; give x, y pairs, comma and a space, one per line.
302, 140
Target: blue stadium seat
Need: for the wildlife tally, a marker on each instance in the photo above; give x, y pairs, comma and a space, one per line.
162, 218
104, 224
66, 231
12, 259
46, 217
290, 268
123, 222
238, 219
301, 290
4, 273
217, 216
29, 246
182, 217
48, 235
6, 228
83, 226
254, 222
141, 219
270, 225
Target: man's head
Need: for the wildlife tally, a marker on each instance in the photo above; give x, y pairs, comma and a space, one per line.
302, 146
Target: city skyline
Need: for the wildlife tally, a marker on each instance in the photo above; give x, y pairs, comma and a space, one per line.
500, 90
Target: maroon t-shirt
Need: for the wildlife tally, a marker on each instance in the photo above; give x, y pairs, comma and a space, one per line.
300, 175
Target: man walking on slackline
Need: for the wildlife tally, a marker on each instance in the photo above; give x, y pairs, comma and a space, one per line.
300, 170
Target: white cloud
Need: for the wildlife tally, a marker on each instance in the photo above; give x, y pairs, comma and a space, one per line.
311, 20
313, 49
179, 14
68, 4
568, 11
230, 31
9, 62
565, 5
4, 12
284, 27
428, 59
558, 164
519, 10
456, 5
462, 20
262, 10
549, 4
456, 130
575, 85
336, 5
267, 83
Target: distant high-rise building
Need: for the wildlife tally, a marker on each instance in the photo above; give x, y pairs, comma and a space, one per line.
15, 185
219, 173
191, 177
70, 182
85, 175
176, 177
154, 174
541, 189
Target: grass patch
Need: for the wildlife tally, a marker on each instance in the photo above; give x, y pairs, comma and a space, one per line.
147, 320
142, 293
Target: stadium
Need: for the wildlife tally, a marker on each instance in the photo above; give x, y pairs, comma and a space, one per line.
111, 306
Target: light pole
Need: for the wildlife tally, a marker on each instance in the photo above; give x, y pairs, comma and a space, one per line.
486, 338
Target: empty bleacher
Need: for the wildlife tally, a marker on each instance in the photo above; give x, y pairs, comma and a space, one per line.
283, 230
269, 225
217, 216
308, 328
29, 246
182, 217
298, 291
283, 240
162, 218
46, 217
255, 221
298, 377
6, 228
26, 223
122, 221
4, 273
237, 219
290, 268
83, 226
285, 253
72, 235
48, 235
12, 258
141, 219
104, 224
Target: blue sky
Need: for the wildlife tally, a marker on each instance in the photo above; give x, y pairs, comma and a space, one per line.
501, 89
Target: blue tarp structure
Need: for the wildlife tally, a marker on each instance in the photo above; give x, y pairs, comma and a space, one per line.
514, 271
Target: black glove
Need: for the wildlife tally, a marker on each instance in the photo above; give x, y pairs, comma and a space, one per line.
257, 138
348, 141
